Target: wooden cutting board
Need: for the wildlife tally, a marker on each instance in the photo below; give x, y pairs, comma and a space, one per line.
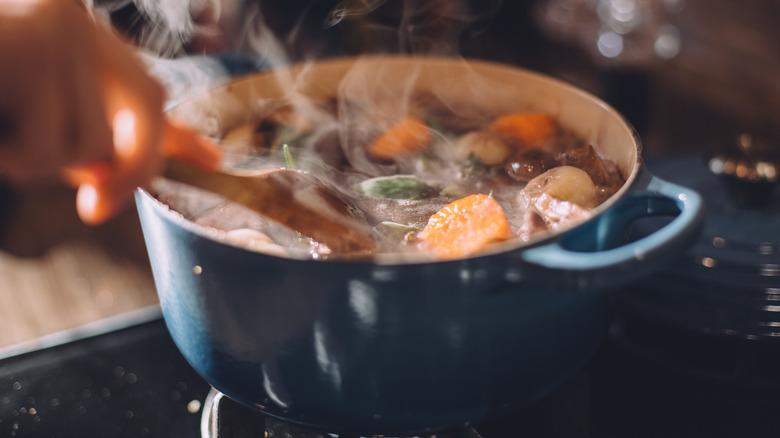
57, 273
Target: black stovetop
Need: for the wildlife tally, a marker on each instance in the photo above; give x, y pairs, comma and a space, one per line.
128, 383
132, 382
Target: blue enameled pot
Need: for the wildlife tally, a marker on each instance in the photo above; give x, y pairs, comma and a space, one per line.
399, 348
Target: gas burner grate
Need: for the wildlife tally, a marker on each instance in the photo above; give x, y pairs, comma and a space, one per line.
225, 418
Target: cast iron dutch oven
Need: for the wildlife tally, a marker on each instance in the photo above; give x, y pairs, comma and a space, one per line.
403, 348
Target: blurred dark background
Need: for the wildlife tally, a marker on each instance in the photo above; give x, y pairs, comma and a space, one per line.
717, 82
691, 73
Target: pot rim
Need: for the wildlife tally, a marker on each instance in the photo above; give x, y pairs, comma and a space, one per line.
413, 258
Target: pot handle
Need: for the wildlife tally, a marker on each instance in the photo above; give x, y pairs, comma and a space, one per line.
595, 256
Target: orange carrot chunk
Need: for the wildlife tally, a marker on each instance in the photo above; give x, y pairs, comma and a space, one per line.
530, 130
407, 136
464, 227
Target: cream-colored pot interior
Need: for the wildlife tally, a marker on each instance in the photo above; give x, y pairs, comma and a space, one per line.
501, 88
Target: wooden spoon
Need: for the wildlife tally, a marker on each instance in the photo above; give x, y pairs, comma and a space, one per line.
295, 199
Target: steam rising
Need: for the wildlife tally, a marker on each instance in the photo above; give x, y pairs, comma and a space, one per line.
351, 8
299, 30
369, 97
360, 27
171, 24
363, 27
278, 34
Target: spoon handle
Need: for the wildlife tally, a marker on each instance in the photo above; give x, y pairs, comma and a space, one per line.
293, 198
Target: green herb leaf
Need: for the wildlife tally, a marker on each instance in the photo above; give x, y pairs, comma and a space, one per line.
473, 166
396, 187
289, 161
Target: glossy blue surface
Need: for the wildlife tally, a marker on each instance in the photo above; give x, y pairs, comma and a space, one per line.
365, 349
597, 250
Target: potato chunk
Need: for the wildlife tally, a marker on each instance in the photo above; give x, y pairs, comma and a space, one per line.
564, 182
486, 146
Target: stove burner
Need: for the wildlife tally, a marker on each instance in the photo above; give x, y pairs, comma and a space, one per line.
225, 418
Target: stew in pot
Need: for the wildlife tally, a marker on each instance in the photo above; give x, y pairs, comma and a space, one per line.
430, 178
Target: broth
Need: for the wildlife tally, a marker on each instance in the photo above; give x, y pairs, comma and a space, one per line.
432, 178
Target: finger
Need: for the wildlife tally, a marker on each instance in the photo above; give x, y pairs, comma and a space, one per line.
95, 173
91, 125
91, 154
103, 189
96, 205
133, 102
90, 211
58, 119
41, 132
100, 199
128, 87
40, 78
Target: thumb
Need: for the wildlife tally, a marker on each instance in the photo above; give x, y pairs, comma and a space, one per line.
97, 200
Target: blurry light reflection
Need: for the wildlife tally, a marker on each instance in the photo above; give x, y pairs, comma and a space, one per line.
667, 44
629, 32
623, 10
465, 275
610, 44
328, 366
717, 165
742, 170
362, 300
193, 406
708, 262
770, 270
270, 390
766, 170
562, 14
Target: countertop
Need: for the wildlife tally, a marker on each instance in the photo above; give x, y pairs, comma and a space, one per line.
57, 273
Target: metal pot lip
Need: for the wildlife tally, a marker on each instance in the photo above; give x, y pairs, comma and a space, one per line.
414, 259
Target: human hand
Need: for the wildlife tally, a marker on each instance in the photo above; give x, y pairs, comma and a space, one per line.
75, 103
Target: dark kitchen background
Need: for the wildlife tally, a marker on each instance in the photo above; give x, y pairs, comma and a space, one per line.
83, 351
